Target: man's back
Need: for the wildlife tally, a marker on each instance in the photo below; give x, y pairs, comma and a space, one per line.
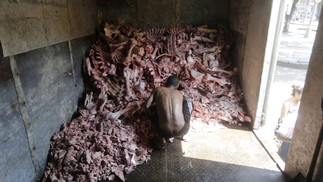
169, 104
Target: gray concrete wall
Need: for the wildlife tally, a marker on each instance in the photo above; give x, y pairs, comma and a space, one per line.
161, 13
318, 175
254, 53
239, 18
43, 44
28, 25
309, 119
39, 90
248, 50
15, 160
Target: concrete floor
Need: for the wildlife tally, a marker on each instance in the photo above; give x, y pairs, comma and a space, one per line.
228, 153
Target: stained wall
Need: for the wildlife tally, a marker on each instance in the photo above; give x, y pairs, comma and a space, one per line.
309, 121
164, 13
30, 24
43, 45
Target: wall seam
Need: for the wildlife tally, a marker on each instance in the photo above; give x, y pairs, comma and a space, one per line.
25, 115
70, 45
72, 61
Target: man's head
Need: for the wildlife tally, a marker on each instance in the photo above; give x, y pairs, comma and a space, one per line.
172, 81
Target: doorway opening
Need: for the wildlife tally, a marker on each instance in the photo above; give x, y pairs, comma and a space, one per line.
289, 46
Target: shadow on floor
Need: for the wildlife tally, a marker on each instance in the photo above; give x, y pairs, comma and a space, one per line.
227, 155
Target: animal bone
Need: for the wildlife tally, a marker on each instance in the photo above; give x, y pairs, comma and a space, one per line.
111, 31
113, 116
116, 55
202, 39
128, 58
202, 68
155, 33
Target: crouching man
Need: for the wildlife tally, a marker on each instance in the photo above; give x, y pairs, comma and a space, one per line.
169, 112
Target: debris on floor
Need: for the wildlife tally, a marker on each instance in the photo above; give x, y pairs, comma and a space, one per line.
110, 136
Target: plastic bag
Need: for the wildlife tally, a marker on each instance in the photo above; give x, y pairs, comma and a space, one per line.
284, 131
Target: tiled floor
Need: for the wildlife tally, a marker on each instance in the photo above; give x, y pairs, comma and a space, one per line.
220, 154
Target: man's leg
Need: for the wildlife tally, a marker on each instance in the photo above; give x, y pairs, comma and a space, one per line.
153, 116
157, 141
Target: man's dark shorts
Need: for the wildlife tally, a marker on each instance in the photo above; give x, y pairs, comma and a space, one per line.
187, 112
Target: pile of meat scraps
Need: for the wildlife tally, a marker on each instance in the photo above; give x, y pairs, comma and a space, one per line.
110, 136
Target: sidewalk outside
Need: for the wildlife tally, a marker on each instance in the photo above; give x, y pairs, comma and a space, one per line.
295, 49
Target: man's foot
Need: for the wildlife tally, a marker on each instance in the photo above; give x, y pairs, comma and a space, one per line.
158, 146
158, 143
170, 140
184, 138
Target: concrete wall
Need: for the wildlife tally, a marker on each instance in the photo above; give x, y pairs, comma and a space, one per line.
318, 176
248, 50
239, 18
161, 13
254, 53
14, 149
309, 119
31, 24
40, 90
44, 43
